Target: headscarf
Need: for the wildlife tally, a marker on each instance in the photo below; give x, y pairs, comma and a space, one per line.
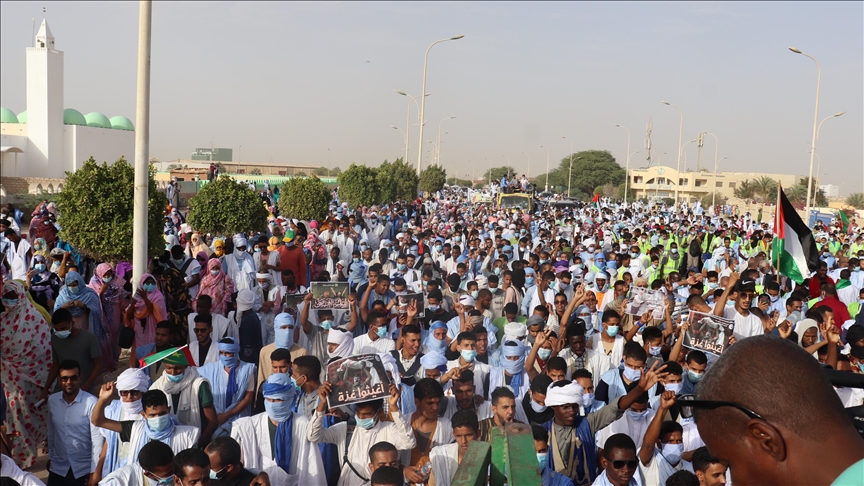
155, 297
86, 295
273, 243
232, 347
803, 326
432, 344
514, 368
215, 286
26, 340
344, 340
133, 379
122, 269
564, 395
278, 386
434, 361
245, 300
101, 269
284, 338
40, 247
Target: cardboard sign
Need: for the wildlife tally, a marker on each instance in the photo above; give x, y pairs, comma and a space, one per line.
708, 333
330, 295
642, 300
357, 379
404, 300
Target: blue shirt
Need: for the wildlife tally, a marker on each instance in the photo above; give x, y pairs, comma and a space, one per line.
70, 434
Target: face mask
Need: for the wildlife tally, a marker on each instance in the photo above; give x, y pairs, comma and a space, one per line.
63, 334
612, 331
563, 287
775, 298
174, 379
228, 362
544, 353
631, 374
131, 408
278, 411
674, 251
437, 247
326, 325
713, 285
543, 459
401, 267
433, 308
356, 260
474, 294
587, 400
634, 255
638, 416
694, 377
164, 481
366, 423
590, 249
150, 287
39, 267
672, 452
654, 350
10, 303
673, 387
537, 407
74, 290
382, 331
215, 474
469, 355
159, 423
529, 281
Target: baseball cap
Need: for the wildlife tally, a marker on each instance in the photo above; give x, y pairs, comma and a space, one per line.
746, 286
289, 236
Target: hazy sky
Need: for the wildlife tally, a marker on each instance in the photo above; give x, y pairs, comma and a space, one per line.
287, 81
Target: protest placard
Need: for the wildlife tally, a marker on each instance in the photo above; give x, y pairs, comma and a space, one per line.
708, 333
404, 300
357, 379
330, 295
642, 300
292, 303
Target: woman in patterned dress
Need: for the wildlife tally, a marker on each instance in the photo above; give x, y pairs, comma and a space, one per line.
25, 355
109, 286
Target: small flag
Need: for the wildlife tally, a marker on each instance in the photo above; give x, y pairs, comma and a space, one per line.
845, 226
596, 200
794, 251
174, 356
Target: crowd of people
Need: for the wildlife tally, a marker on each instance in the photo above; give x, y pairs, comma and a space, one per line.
512, 317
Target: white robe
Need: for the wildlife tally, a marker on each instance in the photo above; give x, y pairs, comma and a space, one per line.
613, 360
184, 437
635, 429
221, 327
244, 278
130, 475
398, 433
212, 353
443, 435
8, 469
253, 435
445, 461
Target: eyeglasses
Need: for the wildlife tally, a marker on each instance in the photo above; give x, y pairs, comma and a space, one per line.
622, 464
126, 393
199, 331
691, 403
68, 378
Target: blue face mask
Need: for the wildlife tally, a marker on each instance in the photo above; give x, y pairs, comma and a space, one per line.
612, 331
401, 267
529, 281
497, 270
326, 325
544, 353
638, 416
543, 460
159, 424
469, 355
74, 290
164, 481
278, 411
107, 279
10, 303
63, 334
39, 267
382, 331
228, 362
694, 377
149, 287
173, 378
366, 423
475, 294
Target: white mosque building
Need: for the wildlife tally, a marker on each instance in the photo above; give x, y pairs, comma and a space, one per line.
47, 140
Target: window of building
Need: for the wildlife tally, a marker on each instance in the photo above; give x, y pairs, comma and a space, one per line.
718, 184
683, 182
731, 185
283, 173
241, 171
638, 180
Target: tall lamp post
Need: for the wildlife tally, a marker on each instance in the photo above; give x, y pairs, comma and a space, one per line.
714, 191
815, 120
570, 175
509, 164
547, 168
528, 174
438, 142
408, 118
626, 170
818, 131
405, 136
142, 142
423, 98
680, 135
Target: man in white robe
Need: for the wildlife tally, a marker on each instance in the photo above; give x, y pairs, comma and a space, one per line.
304, 464
131, 384
155, 463
240, 266
233, 385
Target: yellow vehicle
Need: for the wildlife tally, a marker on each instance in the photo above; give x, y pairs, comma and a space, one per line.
516, 200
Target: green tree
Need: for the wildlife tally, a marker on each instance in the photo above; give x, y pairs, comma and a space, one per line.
226, 207
396, 180
630, 194
856, 200
432, 178
255, 171
96, 211
718, 199
454, 181
305, 198
326, 172
745, 190
765, 187
499, 172
591, 168
358, 186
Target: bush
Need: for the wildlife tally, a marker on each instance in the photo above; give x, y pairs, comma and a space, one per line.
358, 186
432, 179
395, 181
96, 211
305, 198
227, 207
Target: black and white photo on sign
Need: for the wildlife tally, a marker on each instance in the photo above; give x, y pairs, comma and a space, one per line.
642, 300
708, 333
330, 295
292, 303
357, 379
405, 300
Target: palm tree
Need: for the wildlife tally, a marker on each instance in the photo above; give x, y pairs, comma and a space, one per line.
765, 187
856, 200
744, 190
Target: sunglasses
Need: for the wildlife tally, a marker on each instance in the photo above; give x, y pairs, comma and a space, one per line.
622, 464
199, 331
688, 402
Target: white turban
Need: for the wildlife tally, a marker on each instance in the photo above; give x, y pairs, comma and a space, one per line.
515, 330
719, 252
239, 241
133, 379
344, 340
564, 395
245, 300
601, 275
262, 275
390, 365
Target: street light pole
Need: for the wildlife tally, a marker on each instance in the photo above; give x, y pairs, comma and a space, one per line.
570, 175
509, 164
438, 143
815, 120
528, 174
716, 148
680, 135
408, 119
142, 142
627, 169
404, 135
547, 169
423, 99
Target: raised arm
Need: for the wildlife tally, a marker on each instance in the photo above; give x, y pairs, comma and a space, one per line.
304, 314
652, 434
99, 419
720, 305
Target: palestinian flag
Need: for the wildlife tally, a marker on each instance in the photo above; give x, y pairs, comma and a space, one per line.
794, 248
845, 226
174, 356
596, 200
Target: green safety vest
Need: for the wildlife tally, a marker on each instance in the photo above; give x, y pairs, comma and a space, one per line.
854, 307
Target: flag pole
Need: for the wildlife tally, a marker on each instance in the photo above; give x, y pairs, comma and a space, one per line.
774, 252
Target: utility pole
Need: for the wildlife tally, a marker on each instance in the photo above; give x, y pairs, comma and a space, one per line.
648, 127
142, 143
699, 140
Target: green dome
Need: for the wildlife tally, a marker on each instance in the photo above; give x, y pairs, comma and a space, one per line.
73, 117
121, 123
22, 117
98, 120
7, 116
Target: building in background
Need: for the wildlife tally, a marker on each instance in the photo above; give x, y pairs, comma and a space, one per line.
660, 182
43, 142
831, 191
213, 154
